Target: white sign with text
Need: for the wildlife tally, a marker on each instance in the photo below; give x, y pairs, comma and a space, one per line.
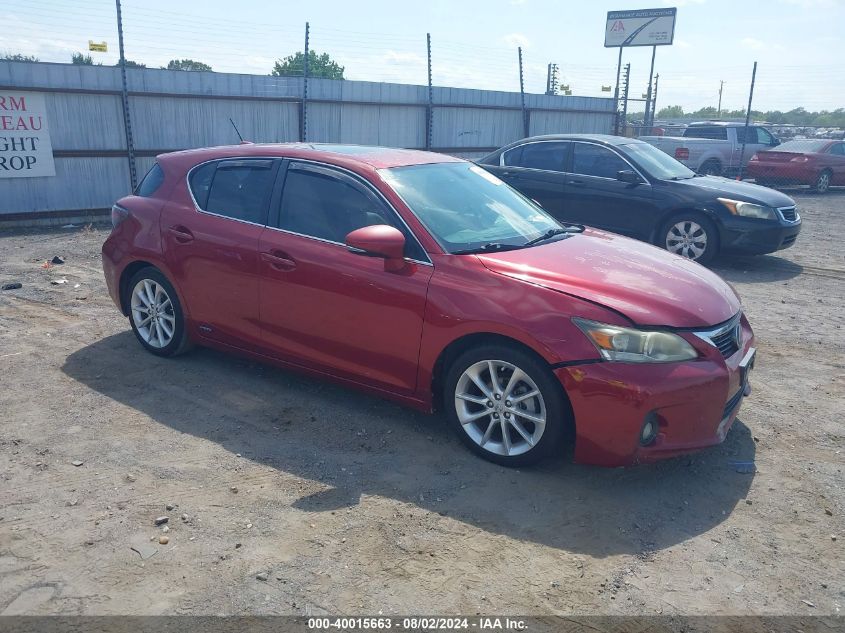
25, 148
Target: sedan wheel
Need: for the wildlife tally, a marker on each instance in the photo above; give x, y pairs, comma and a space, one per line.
156, 314
152, 313
500, 407
687, 238
823, 182
505, 405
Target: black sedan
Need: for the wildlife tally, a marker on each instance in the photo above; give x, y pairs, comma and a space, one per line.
630, 187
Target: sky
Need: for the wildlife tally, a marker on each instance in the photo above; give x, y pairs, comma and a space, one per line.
799, 44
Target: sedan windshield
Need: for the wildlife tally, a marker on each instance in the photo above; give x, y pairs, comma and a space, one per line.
657, 163
468, 209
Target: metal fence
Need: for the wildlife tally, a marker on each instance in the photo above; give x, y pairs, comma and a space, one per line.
171, 110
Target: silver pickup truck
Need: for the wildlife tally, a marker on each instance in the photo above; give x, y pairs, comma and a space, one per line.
714, 148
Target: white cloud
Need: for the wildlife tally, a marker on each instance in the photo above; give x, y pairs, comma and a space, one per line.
752, 44
681, 43
516, 39
518, 2
812, 4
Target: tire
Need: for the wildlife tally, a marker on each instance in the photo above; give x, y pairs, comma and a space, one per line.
479, 416
710, 168
685, 234
166, 334
822, 183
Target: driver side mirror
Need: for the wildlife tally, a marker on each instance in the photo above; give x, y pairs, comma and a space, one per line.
629, 176
775, 141
379, 240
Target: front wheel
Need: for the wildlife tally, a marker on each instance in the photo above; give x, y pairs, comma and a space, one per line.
505, 405
691, 236
155, 313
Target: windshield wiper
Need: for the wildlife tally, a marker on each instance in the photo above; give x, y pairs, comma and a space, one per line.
552, 233
490, 246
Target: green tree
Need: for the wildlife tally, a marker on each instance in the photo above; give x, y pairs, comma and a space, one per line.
17, 57
670, 112
318, 66
187, 64
131, 64
78, 59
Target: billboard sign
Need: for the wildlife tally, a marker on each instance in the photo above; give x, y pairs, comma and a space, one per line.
644, 27
25, 148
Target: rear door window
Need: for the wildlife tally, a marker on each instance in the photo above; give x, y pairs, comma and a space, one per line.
546, 155
707, 131
594, 160
239, 189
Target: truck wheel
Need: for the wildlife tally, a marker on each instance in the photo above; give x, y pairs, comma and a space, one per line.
710, 168
690, 235
822, 183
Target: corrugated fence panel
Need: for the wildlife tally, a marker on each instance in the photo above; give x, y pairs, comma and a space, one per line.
176, 110
83, 121
179, 123
470, 127
79, 183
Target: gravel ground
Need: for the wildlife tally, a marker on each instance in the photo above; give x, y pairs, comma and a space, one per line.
289, 495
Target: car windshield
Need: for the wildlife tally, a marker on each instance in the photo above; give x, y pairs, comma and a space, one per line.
467, 208
657, 163
800, 146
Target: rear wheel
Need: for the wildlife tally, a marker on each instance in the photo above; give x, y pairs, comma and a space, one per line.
505, 404
690, 235
155, 313
822, 183
710, 168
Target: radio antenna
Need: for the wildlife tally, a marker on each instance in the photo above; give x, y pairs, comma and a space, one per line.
236, 130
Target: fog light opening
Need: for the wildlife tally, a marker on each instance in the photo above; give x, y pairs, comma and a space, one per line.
650, 428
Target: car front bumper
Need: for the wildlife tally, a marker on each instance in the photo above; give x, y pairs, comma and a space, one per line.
748, 236
695, 403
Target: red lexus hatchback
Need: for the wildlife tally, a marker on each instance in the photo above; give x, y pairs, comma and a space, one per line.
425, 279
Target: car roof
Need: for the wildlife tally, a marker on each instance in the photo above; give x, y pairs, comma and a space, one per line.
344, 155
607, 139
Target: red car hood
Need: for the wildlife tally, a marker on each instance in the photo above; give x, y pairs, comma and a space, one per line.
643, 282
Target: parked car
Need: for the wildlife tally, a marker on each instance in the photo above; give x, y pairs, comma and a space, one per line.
714, 148
818, 163
426, 279
629, 187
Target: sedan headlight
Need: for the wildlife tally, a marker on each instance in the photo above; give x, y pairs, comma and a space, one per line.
635, 346
748, 209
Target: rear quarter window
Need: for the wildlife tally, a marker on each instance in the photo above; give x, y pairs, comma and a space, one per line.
151, 182
200, 183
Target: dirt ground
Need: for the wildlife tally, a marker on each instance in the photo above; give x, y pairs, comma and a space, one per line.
353, 505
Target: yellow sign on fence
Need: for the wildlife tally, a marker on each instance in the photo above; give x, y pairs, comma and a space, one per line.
606, 88
99, 47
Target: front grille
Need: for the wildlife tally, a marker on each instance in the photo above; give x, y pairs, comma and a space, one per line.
725, 337
789, 213
727, 343
732, 404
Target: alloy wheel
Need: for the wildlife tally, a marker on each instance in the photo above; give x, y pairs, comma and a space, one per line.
152, 313
500, 407
687, 238
823, 182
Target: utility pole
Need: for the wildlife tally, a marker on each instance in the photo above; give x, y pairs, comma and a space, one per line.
626, 84
525, 124
648, 113
303, 132
616, 92
429, 115
719, 109
654, 99
552, 79
127, 122
747, 121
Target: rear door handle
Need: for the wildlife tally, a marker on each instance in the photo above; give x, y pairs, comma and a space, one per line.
279, 260
182, 234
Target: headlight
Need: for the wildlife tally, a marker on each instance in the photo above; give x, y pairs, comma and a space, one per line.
635, 346
748, 210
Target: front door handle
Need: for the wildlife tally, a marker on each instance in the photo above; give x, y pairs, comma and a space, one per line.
576, 183
182, 234
279, 260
